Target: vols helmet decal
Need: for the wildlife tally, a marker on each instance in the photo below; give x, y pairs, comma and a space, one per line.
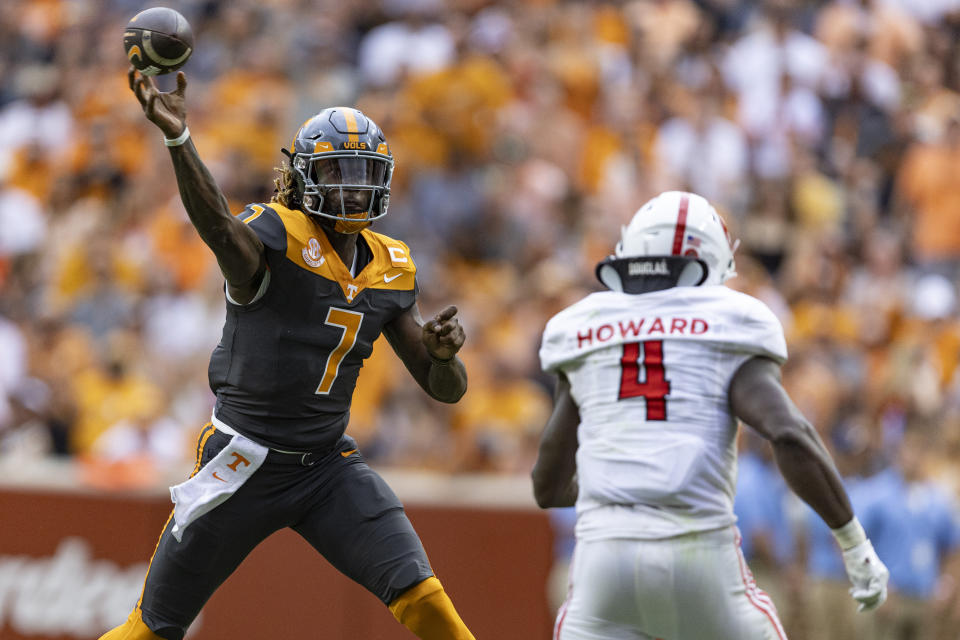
343, 168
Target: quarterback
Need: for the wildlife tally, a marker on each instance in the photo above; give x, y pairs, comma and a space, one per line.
309, 288
651, 379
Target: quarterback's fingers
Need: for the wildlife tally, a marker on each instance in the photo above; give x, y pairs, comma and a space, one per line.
446, 314
151, 100
181, 83
449, 333
454, 338
446, 328
139, 91
147, 89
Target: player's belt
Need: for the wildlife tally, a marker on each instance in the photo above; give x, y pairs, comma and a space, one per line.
282, 456
302, 458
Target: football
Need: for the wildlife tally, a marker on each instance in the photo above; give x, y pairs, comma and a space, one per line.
158, 41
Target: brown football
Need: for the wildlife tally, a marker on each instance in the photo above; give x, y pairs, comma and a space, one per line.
158, 41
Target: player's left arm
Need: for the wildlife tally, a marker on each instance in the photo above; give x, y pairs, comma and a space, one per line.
758, 398
429, 351
554, 474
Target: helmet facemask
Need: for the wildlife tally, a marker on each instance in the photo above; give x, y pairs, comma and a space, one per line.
351, 188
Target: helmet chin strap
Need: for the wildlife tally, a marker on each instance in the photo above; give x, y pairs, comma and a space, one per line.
351, 226
338, 225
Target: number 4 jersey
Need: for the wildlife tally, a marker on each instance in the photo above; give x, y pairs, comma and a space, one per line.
286, 367
650, 374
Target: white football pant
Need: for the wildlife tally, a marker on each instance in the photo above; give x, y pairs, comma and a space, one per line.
690, 587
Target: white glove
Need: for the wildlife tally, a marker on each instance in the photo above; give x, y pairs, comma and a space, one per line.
867, 575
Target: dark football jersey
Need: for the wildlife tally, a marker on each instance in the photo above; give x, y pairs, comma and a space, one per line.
286, 367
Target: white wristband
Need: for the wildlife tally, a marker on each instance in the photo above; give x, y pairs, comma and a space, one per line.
179, 140
850, 534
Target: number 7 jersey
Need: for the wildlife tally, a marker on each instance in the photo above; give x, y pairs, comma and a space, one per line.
650, 375
287, 365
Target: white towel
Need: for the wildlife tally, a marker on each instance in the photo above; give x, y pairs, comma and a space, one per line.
215, 482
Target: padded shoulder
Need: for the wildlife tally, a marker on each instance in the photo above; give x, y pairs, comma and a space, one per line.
396, 254
393, 267
726, 319
558, 345
756, 329
266, 223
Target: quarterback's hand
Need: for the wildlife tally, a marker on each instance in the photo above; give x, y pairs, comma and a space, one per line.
867, 574
443, 336
168, 109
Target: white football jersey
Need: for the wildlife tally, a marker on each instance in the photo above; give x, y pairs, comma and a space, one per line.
650, 374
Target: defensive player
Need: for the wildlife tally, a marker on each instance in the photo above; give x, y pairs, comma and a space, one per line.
309, 288
652, 377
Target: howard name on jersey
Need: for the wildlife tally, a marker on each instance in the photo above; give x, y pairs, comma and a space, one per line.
286, 367
650, 375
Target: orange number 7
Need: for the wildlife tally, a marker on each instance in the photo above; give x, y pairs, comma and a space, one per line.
349, 321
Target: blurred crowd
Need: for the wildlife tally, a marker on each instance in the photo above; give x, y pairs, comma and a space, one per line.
525, 133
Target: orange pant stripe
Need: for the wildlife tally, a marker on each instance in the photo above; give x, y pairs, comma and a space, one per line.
205, 433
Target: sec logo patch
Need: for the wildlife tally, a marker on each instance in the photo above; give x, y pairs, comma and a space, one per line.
312, 253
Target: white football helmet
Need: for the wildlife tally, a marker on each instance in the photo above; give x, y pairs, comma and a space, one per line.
683, 234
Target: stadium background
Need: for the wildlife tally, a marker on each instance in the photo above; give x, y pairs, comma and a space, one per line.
525, 133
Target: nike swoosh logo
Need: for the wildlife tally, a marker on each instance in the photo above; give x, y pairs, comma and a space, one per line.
218, 477
386, 279
347, 454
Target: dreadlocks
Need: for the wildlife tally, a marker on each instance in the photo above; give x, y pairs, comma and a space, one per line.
285, 187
